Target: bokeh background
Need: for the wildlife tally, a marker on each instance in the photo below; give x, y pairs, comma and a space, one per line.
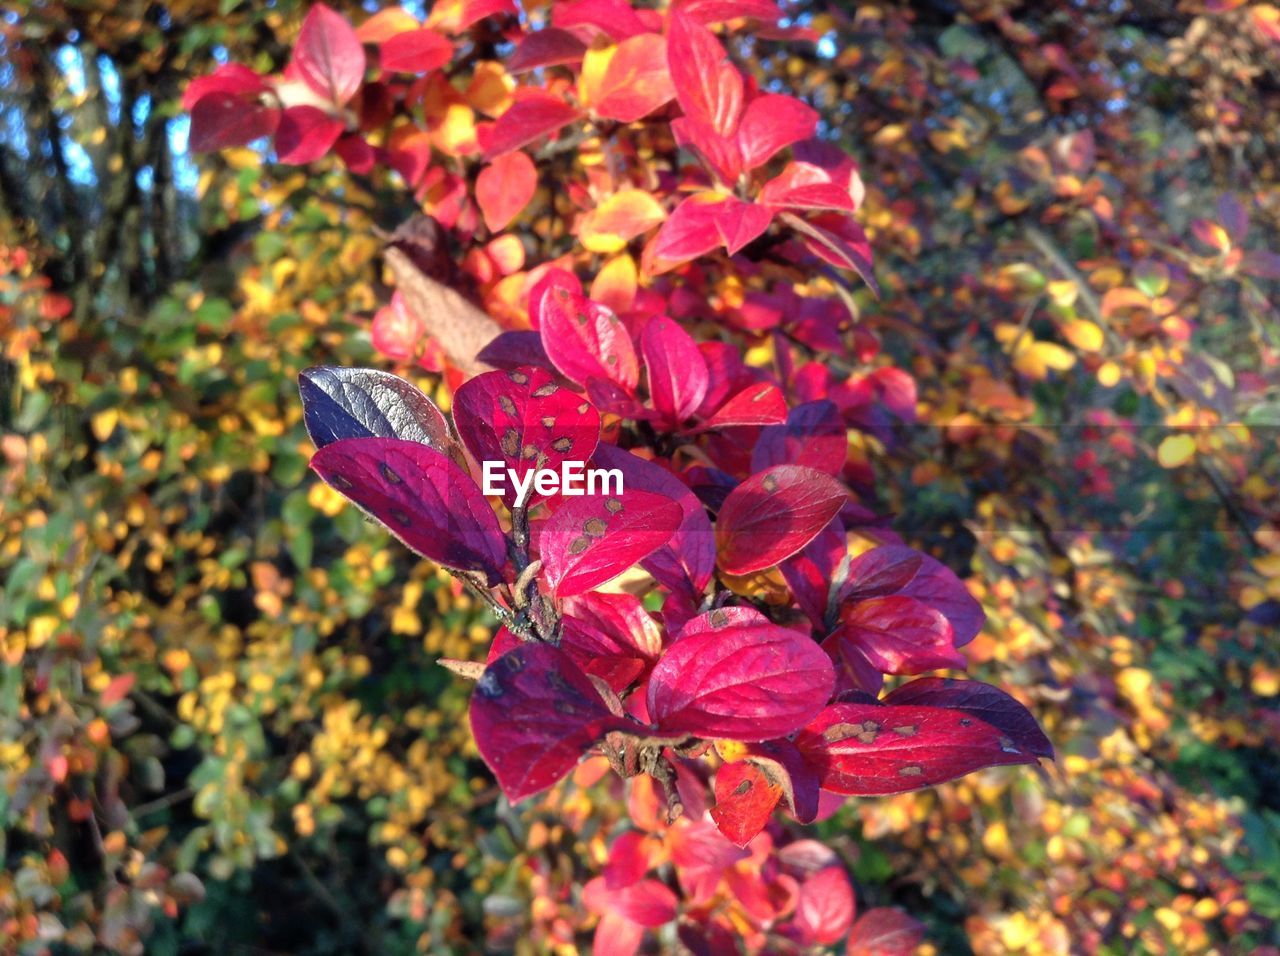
221, 727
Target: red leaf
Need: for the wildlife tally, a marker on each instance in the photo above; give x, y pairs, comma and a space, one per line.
548, 47
701, 856
745, 798
645, 903
708, 85
759, 404
708, 12
415, 51
720, 153
616, 18
535, 115
896, 569
873, 749
422, 496
473, 11
232, 78
739, 223
583, 339
845, 247
610, 636
504, 188
690, 231
676, 370
686, 563
220, 119
305, 134
895, 635
328, 55
636, 81
773, 514
803, 186
629, 860
592, 539
884, 931
533, 715
771, 123
987, 703
523, 419
824, 910
740, 682
814, 436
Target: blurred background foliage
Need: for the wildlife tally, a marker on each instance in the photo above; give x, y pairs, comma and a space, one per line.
220, 725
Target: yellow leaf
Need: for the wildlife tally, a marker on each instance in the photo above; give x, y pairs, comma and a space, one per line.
104, 423
1108, 374
615, 284
1039, 358
591, 80
1086, 336
1176, 450
611, 225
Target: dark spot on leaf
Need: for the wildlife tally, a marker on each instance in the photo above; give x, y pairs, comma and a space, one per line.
562, 294
518, 377
548, 421
613, 506
595, 527
338, 481
582, 409
401, 517
719, 617
770, 483
513, 662
905, 730
506, 404
388, 474
611, 359
546, 391
565, 707
1006, 744
529, 451
510, 442
562, 445
911, 771
740, 789
578, 545
966, 722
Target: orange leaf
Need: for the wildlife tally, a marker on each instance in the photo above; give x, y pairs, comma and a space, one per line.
504, 188
620, 218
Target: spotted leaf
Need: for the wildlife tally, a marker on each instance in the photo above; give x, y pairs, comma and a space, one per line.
594, 538
423, 498
773, 514
534, 714
873, 749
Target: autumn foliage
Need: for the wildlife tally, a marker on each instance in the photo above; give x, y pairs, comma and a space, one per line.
934, 348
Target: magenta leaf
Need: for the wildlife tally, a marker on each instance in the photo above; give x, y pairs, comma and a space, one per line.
825, 908
759, 404
873, 749
528, 423
537, 114
885, 931
677, 372
893, 635
515, 349
701, 855
809, 572
773, 514
534, 714
328, 55
814, 436
896, 569
837, 240
645, 902
771, 123
340, 403
610, 636
220, 119
423, 498
708, 85
547, 47
744, 682
594, 538
415, 51
583, 339
987, 703
305, 133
